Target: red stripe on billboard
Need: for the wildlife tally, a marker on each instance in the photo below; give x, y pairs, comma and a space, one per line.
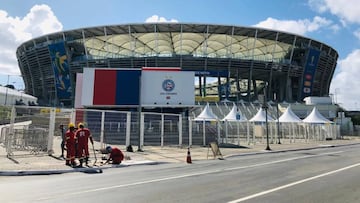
104, 87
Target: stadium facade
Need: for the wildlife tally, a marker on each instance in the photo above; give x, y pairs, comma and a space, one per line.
240, 62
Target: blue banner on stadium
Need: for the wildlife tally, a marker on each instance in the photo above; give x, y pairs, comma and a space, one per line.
211, 73
309, 72
61, 70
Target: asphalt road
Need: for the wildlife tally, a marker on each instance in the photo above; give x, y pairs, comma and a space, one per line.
321, 175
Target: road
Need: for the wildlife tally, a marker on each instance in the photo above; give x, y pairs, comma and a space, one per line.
320, 175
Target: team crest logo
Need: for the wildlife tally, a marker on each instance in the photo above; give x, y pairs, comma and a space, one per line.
168, 85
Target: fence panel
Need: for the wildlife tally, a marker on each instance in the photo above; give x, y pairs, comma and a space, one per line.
33, 127
153, 129
171, 129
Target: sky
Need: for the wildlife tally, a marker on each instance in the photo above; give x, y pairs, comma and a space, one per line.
333, 22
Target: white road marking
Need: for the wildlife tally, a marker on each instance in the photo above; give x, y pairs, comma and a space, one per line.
283, 160
188, 175
293, 183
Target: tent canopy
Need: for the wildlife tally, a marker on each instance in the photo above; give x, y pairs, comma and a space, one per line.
206, 115
315, 117
289, 116
234, 115
261, 117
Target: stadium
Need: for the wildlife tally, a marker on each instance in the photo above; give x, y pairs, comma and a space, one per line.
230, 62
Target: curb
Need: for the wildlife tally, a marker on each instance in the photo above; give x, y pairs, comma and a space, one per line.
49, 172
98, 169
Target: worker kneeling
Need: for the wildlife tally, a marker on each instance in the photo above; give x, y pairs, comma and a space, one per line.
115, 155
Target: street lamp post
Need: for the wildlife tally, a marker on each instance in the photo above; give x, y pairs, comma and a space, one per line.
265, 107
278, 122
139, 117
277, 115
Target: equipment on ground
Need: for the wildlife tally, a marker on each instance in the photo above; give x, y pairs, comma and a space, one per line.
188, 157
94, 153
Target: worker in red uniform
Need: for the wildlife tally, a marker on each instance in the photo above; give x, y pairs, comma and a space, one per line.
70, 145
83, 135
115, 155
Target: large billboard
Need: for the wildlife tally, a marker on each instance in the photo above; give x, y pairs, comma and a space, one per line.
110, 87
160, 87
167, 87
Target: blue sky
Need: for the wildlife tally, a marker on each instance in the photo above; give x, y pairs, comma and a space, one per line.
334, 22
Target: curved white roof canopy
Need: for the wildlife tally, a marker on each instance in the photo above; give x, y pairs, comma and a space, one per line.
289, 116
260, 116
233, 115
316, 117
206, 115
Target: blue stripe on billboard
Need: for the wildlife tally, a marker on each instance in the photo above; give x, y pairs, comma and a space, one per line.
60, 66
127, 87
309, 72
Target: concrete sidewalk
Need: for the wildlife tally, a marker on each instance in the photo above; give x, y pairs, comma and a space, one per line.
43, 164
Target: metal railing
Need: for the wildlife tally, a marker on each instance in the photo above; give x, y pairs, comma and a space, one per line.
32, 129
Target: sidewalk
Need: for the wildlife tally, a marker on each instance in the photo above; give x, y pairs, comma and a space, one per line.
26, 164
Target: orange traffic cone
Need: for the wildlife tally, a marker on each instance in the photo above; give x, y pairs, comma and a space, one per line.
188, 157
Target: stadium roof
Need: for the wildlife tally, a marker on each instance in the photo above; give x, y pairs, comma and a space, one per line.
198, 40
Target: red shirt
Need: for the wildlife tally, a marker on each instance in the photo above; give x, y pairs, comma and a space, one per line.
70, 137
83, 135
116, 155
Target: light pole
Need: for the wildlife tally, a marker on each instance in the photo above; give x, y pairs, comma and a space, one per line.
265, 107
139, 117
278, 122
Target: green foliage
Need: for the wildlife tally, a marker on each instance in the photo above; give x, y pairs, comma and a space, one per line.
356, 119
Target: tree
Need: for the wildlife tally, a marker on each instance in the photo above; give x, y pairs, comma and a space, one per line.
10, 86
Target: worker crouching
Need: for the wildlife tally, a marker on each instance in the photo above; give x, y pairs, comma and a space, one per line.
115, 155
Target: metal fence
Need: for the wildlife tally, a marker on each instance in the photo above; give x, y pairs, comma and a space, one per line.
32, 129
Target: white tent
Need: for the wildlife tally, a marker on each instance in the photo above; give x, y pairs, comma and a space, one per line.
315, 117
206, 115
260, 116
234, 115
289, 116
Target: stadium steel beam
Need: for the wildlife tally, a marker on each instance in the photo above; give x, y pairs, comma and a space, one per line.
272, 61
181, 40
29, 79
237, 85
85, 48
44, 88
251, 67
288, 93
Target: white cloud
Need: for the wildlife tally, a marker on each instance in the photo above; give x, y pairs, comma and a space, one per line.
346, 10
300, 27
156, 18
15, 30
346, 81
357, 33
335, 28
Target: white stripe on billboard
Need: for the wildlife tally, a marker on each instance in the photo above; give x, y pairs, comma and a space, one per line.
78, 90
167, 88
88, 87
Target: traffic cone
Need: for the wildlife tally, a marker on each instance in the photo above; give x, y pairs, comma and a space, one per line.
188, 157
